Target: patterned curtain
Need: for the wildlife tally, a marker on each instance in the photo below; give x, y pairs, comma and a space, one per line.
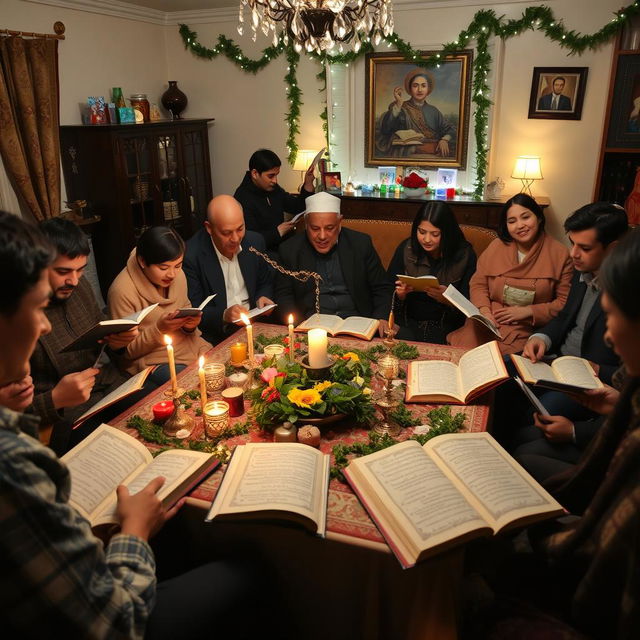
29, 119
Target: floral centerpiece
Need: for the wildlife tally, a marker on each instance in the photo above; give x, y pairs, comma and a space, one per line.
414, 184
286, 392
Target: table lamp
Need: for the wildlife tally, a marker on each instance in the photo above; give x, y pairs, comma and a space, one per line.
527, 169
304, 158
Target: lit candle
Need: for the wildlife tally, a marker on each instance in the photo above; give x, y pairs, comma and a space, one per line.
291, 342
172, 364
238, 353
245, 319
203, 382
317, 348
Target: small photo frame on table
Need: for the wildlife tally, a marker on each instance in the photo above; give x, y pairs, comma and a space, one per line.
446, 183
126, 115
386, 175
557, 93
624, 123
332, 182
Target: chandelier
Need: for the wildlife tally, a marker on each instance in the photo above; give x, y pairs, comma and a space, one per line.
318, 25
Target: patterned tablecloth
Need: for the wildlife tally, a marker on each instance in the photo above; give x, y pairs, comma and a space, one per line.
347, 519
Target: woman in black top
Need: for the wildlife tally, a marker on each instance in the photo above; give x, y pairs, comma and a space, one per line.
436, 247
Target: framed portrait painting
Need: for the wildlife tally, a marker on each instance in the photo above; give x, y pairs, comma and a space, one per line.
557, 93
624, 120
417, 116
332, 182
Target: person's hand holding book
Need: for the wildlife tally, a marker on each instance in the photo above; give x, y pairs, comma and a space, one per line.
74, 388
555, 428
168, 323
436, 294
534, 349
120, 340
601, 400
402, 289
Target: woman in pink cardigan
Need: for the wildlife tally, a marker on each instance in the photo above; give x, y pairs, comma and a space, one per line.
154, 274
522, 279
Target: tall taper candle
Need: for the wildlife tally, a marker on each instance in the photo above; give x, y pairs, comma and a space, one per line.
203, 383
291, 342
246, 320
172, 364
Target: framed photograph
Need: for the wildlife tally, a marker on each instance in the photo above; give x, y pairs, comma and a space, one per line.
557, 93
446, 178
386, 175
416, 116
331, 182
624, 122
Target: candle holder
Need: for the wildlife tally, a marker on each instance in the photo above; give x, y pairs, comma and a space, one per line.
234, 397
216, 418
179, 424
170, 393
316, 373
214, 376
272, 350
387, 402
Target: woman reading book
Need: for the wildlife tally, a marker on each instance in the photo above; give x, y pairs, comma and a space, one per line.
585, 569
522, 280
154, 274
437, 248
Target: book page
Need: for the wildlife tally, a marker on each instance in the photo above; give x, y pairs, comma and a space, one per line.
358, 325
501, 489
434, 377
480, 366
421, 283
99, 464
458, 300
533, 371
258, 312
267, 477
576, 371
139, 316
330, 324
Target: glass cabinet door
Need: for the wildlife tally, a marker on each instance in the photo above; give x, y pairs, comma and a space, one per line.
195, 164
137, 159
169, 180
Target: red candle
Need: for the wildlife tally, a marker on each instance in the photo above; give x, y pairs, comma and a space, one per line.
162, 410
234, 398
451, 193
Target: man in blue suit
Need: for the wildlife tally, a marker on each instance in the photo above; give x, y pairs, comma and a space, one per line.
555, 101
218, 260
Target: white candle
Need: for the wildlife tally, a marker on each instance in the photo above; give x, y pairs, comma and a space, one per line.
317, 348
291, 342
172, 364
203, 383
245, 319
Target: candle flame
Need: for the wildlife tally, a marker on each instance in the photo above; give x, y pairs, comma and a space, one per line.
291, 318
201, 361
168, 340
245, 318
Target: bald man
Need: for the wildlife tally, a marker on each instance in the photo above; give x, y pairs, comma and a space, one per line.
218, 261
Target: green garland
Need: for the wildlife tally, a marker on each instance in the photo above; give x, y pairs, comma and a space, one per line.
483, 26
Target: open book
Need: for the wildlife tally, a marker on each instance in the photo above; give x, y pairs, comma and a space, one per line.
456, 487
285, 480
532, 397
356, 326
256, 311
568, 373
469, 309
106, 327
109, 457
194, 311
478, 370
133, 384
407, 136
420, 283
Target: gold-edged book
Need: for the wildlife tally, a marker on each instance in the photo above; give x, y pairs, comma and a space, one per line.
459, 486
477, 371
356, 326
567, 373
420, 283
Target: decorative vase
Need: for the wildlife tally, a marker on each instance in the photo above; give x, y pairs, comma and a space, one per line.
174, 100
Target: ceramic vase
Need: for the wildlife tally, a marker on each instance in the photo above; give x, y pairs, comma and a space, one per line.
174, 100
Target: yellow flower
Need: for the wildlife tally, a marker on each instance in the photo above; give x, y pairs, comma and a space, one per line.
351, 356
359, 380
321, 386
304, 397
366, 391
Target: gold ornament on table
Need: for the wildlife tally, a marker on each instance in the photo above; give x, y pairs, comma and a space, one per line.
386, 402
179, 424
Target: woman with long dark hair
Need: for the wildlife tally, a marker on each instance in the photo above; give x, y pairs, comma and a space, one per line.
154, 275
436, 247
522, 279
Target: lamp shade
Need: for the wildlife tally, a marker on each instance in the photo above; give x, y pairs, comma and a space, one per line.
304, 158
527, 168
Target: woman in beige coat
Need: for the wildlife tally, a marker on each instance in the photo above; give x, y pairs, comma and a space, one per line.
522, 279
154, 275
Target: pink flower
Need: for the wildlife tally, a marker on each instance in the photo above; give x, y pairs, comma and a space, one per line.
269, 374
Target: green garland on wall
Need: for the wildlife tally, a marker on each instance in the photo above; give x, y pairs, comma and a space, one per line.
483, 26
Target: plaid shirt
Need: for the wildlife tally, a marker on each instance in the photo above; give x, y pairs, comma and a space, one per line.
56, 580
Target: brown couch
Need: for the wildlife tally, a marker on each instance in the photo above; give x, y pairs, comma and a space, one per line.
388, 234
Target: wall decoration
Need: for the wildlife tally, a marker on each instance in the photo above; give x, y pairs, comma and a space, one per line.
557, 93
332, 182
416, 116
624, 127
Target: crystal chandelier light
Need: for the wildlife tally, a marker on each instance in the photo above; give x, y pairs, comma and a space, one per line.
318, 25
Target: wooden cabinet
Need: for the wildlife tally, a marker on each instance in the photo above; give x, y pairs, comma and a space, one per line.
482, 213
619, 159
134, 177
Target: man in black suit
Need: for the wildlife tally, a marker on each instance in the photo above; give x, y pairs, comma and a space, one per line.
578, 330
555, 101
218, 260
354, 282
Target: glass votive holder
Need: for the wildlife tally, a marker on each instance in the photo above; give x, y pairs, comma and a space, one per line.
214, 377
237, 379
216, 418
272, 350
238, 352
234, 397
